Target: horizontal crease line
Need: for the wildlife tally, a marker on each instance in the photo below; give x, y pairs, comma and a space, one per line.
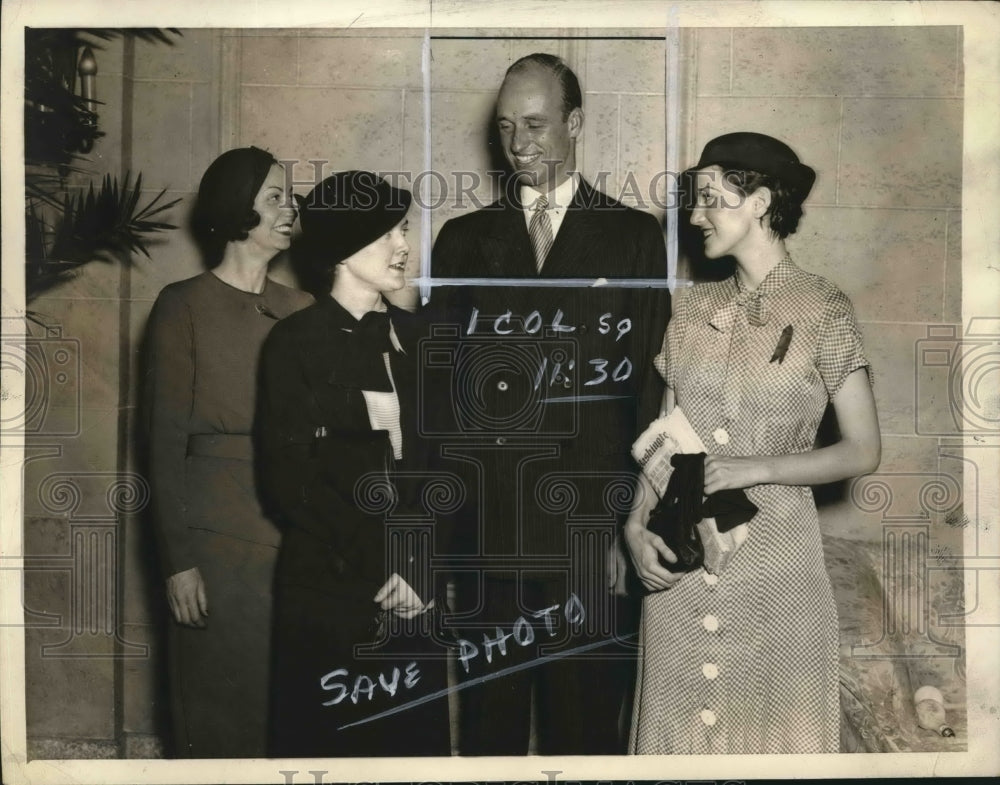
542, 283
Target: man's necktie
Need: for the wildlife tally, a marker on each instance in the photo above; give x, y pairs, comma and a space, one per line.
540, 231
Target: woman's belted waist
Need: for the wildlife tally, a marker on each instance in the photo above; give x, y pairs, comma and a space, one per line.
221, 445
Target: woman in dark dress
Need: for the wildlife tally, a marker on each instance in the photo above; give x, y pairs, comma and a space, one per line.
217, 547
342, 466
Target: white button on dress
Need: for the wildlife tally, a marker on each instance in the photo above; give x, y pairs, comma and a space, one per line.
709, 670
710, 623
710, 579
721, 436
708, 717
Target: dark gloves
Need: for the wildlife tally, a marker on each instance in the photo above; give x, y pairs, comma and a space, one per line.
675, 518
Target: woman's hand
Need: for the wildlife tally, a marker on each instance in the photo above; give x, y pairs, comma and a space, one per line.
398, 596
646, 548
187, 598
723, 473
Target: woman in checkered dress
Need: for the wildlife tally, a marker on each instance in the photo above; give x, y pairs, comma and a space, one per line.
746, 661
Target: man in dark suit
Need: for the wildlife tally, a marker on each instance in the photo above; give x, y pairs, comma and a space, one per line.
552, 381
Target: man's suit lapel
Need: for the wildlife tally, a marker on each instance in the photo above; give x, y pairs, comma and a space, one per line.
576, 238
508, 251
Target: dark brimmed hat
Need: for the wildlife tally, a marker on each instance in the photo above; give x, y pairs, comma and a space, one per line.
746, 150
346, 212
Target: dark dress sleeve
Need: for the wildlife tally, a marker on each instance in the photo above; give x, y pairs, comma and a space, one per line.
169, 402
310, 482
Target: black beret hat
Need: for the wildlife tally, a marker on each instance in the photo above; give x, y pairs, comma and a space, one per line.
746, 150
346, 212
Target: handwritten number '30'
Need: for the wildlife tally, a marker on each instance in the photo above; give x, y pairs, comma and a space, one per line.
621, 372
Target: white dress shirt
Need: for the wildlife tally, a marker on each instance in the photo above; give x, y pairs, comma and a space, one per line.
559, 200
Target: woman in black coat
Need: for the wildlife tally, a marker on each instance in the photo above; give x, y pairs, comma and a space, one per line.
341, 468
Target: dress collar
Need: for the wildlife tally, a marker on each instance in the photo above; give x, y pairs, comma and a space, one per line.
755, 302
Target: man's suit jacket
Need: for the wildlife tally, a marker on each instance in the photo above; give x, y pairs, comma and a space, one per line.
551, 410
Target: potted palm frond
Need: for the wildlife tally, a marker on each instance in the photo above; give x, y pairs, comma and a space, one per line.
67, 226
107, 224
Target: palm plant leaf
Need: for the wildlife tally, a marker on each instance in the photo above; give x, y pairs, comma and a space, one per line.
99, 224
65, 227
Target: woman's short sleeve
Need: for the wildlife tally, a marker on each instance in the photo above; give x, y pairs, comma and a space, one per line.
841, 351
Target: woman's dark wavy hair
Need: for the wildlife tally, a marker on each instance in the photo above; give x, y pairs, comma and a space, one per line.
223, 211
785, 209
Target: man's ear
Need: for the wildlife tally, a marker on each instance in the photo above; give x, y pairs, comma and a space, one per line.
575, 122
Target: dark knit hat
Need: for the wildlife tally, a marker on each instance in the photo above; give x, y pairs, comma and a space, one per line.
346, 212
746, 150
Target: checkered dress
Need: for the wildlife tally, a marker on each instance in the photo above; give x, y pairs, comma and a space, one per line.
746, 662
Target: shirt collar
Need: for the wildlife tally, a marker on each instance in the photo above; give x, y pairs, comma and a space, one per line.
559, 199
776, 277
754, 302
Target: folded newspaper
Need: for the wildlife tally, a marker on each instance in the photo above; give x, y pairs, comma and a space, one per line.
652, 450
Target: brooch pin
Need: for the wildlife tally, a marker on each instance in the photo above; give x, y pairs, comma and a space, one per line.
783, 342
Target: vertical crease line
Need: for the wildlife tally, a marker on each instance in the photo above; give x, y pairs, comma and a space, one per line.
618, 143
402, 128
959, 62
125, 445
840, 152
191, 132
732, 57
944, 288
425, 214
672, 110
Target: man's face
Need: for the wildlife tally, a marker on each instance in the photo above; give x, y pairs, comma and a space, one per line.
538, 142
